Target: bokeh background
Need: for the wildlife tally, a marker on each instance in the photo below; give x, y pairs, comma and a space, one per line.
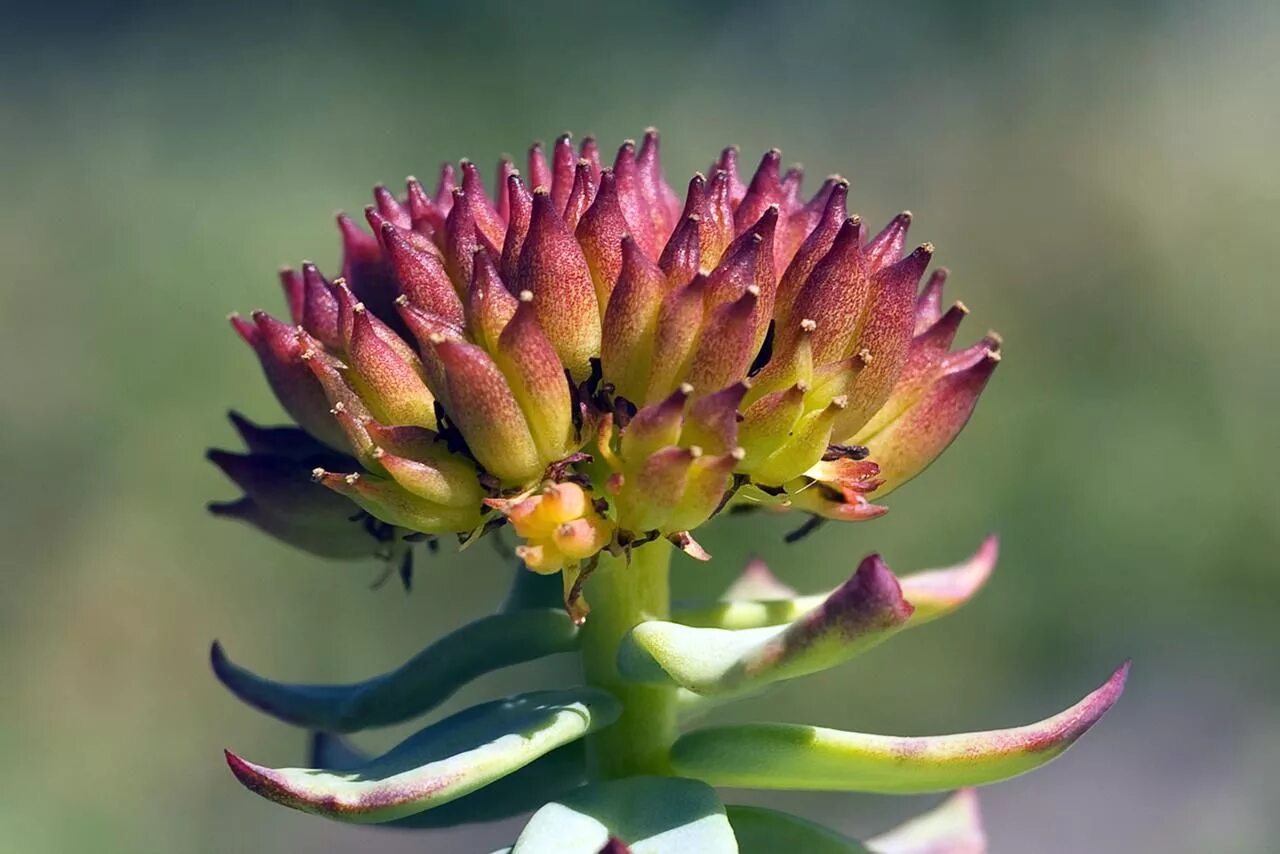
1101, 178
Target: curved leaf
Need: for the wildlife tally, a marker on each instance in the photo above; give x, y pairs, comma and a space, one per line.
419, 685
766, 831
933, 592
953, 827
865, 610
441, 763
556, 774
651, 815
792, 756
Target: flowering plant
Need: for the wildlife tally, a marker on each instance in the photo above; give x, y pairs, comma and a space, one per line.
600, 367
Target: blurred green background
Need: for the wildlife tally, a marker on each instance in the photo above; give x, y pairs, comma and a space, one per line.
1103, 183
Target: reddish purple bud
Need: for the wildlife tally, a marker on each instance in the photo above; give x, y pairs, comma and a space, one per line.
834, 295
659, 198
886, 247
581, 197
492, 226
442, 477
502, 198
539, 172
929, 303
600, 233
718, 229
427, 218
421, 276
676, 334
489, 304
728, 163
333, 539
291, 381
812, 250
681, 258
537, 379
629, 323
392, 385
392, 503
563, 160
884, 336
320, 307
390, 208
712, 420
294, 295
728, 344
481, 405
519, 212
445, 185
462, 237
765, 190
590, 152
631, 199
283, 486
553, 269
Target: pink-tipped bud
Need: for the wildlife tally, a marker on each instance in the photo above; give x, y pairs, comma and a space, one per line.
649, 496
538, 381
427, 219
487, 219
816, 245
563, 160
728, 344
728, 163
392, 503
630, 320
519, 212
443, 478
660, 200
391, 385
834, 296
462, 238
489, 304
712, 420
481, 405
390, 208
765, 190
600, 233
294, 293
320, 307
886, 247
929, 303
635, 209
421, 276
681, 258
539, 171
718, 231
676, 335
580, 198
553, 269
654, 426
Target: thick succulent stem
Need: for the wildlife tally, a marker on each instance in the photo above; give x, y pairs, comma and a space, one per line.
622, 595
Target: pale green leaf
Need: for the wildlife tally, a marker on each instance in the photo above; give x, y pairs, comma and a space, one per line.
793, 756
441, 763
652, 815
863, 612
766, 831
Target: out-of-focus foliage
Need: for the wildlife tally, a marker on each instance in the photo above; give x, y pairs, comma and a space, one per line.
1102, 183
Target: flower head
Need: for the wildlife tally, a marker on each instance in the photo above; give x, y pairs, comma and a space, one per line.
599, 362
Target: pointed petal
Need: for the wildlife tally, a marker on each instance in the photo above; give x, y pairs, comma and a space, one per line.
441, 763
793, 756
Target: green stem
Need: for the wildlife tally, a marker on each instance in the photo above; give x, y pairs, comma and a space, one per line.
621, 596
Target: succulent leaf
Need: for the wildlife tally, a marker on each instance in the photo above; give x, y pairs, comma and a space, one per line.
952, 827
441, 763
556, 774
765, 831
650, 815
794, 756
864, 611
417, 686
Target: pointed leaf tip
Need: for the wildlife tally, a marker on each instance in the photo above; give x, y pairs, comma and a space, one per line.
791, 756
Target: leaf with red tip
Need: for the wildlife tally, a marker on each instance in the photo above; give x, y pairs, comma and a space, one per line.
553, 269
551, 776
952, 827
419, 685
863, 612
934, 593
794, 756
441, 763
320, 308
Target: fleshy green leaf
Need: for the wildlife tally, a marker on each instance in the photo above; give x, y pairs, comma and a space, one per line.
792, 756
651, 815
441, 763
953, 827
861, 613
551, 776
420, 684
933, 592
765, 831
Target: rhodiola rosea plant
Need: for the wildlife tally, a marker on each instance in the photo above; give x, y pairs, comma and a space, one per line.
586, 359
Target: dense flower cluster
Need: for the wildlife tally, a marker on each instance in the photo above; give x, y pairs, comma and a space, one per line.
585, 326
